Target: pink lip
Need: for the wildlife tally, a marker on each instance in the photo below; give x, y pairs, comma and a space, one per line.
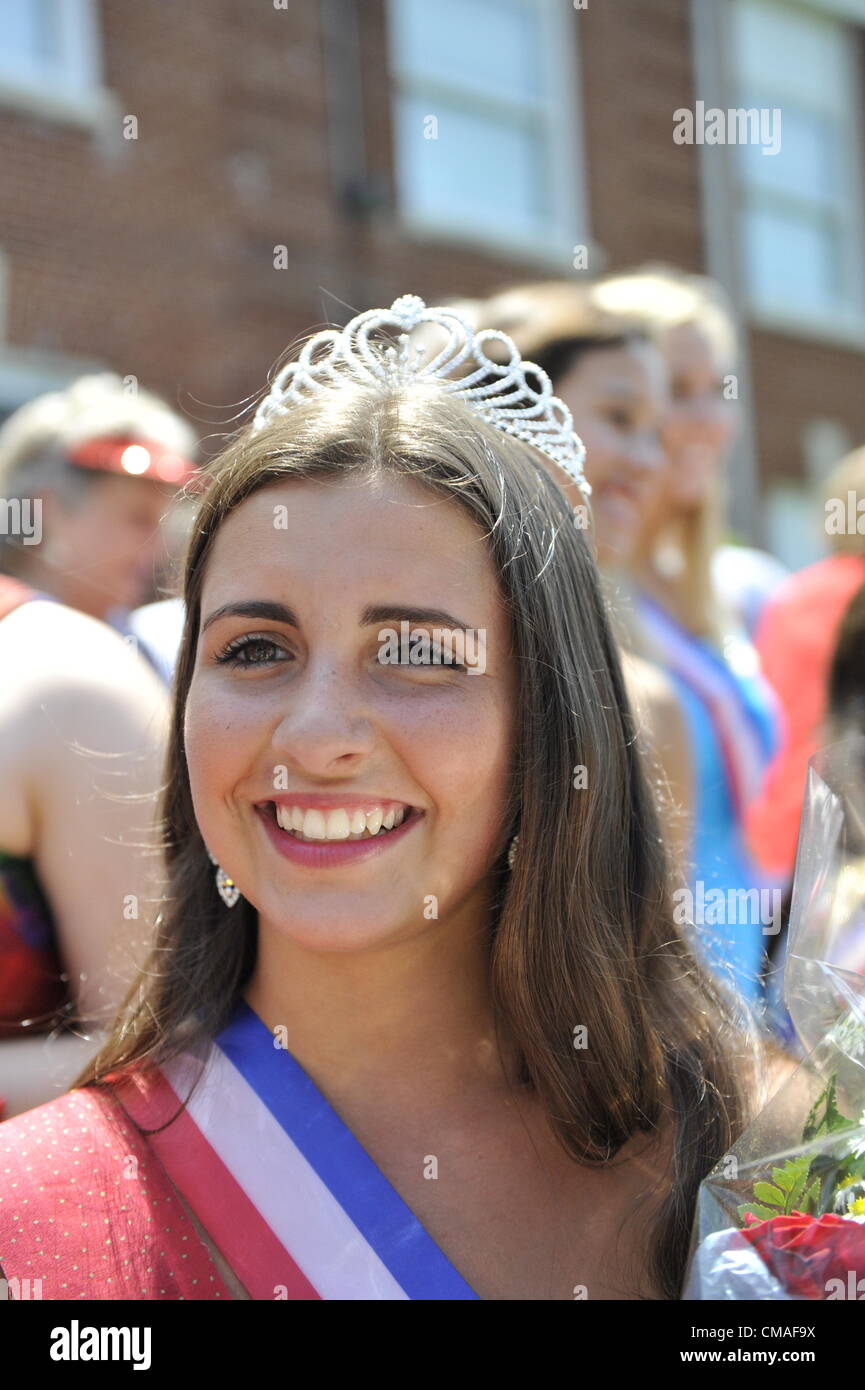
331, 854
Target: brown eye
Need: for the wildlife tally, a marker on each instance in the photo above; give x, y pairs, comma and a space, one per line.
250, 651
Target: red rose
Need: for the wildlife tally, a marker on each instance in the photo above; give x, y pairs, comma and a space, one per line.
805, 1252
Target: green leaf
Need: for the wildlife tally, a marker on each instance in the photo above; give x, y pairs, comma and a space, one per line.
791, 1178
764, 1213
765, 1192
786, 1177
810, 1197
816, 1122
830, 1119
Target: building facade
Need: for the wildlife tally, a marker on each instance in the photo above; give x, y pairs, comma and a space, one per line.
185, 189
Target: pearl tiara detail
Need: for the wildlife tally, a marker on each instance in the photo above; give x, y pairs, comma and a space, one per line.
497, 391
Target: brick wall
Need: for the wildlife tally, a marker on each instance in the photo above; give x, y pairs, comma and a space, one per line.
156, 254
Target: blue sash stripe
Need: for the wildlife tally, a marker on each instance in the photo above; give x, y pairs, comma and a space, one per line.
328, 1145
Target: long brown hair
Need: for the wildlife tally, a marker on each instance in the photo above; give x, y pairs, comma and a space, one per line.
582, 931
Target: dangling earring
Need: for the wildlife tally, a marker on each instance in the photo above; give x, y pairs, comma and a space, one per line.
225, 886
512, 852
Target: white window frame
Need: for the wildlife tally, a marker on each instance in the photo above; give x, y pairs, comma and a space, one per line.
561, 112
74, 94
847, 330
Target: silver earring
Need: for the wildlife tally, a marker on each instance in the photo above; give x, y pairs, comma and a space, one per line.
225, 886
512, 852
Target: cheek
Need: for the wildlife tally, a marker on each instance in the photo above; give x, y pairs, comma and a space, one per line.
462, 760
603, 450
217, 732
724, 425
676, 432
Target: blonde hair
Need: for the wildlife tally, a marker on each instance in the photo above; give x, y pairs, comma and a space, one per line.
847, 476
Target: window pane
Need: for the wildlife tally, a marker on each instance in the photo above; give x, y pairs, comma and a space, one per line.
793, 262
27, 32
491, 46
477, 170
808, 163
782, 51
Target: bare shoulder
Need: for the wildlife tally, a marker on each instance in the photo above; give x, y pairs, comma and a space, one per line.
77, 686
54, 646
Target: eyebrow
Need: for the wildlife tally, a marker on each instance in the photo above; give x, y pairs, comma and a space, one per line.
375, 615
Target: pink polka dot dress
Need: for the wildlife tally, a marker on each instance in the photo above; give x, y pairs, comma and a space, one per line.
88, 1212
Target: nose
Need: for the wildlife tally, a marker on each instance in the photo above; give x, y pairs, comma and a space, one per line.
324, 728
705, 416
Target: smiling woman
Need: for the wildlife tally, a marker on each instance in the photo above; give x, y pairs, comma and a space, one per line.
394, 1064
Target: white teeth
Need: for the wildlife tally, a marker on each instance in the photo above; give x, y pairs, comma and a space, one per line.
339, 824
314, 826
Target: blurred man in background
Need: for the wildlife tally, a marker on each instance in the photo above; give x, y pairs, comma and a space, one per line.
96, 467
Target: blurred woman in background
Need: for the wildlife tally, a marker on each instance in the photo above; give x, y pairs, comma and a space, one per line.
613, 379
684, 620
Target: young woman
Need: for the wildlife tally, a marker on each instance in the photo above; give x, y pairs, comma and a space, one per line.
419, 1022
685, 622
613, 379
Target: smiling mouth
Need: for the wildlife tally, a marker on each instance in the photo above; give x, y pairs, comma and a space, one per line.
340, 825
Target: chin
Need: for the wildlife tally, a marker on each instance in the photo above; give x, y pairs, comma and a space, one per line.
340, 930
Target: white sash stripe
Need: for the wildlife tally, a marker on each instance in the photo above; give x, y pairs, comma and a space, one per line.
276, 1177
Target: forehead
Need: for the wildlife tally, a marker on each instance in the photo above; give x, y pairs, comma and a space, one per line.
342, 535
687, 345
633, 369
122, 487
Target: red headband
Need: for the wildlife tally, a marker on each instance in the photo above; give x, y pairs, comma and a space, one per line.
136, 457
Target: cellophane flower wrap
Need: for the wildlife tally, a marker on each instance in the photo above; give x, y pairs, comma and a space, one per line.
782, 1216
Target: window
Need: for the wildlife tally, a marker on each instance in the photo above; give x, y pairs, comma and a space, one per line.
49, 57
801, 208
483, 117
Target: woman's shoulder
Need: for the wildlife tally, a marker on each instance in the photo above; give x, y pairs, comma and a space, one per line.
87, 1211
60, 643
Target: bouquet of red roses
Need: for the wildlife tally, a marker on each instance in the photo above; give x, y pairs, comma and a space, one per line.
782, 1216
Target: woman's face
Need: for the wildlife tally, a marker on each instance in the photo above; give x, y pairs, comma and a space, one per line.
105, 549
701, 422
618, 398
311, 711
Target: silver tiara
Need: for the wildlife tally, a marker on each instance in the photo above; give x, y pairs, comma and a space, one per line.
497, 391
